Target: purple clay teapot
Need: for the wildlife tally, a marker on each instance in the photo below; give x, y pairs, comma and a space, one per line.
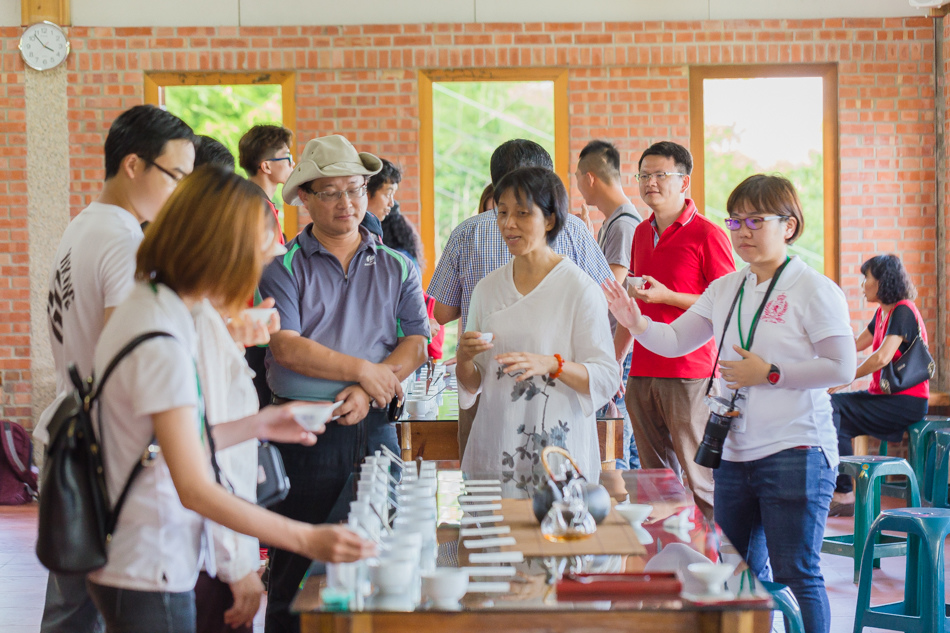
596, 496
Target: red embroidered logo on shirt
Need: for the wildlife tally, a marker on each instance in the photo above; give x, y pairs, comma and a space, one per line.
775, 309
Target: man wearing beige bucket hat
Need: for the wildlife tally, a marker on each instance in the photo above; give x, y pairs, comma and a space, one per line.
353, 325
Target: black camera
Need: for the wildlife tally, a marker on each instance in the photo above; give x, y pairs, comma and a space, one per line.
722, 414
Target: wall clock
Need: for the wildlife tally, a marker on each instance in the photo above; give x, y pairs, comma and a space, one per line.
44, 45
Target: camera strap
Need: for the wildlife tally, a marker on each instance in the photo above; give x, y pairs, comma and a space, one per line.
755, 323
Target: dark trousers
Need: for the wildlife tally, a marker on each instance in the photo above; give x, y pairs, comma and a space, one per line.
882, 416
212, 598
317, 475
130, 611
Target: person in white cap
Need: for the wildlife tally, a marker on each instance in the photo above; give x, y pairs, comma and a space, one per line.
353, 326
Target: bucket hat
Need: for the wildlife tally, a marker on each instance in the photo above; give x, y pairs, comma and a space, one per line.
328, 157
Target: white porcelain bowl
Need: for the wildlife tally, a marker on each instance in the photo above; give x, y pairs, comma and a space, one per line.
315, 416
634, 513
261, 315
445, 586
391, 576
713, 575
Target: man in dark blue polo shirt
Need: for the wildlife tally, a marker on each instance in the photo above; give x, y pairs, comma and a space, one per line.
353, 325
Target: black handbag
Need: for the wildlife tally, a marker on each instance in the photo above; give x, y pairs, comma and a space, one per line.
75, 520
273, 484
912, 368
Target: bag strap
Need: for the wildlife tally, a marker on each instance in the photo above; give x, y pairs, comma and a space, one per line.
94, 396
21, 470
614, 221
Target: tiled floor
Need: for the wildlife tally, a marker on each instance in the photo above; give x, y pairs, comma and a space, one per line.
23, 579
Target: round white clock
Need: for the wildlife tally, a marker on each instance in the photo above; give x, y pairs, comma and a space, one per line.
44, 46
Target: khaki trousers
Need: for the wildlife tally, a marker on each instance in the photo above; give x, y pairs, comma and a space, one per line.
668, 417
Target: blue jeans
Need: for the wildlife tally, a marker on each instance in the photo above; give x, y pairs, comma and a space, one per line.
69, 609
773, 510
130, 611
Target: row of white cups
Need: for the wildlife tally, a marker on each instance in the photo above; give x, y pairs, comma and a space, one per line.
401, 515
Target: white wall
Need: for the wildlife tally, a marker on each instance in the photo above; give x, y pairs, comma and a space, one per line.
285, 12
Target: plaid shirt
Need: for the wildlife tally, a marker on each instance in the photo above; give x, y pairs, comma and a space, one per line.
476, 248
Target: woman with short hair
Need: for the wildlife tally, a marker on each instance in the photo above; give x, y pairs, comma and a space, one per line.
895, 326
208, 242
785, 337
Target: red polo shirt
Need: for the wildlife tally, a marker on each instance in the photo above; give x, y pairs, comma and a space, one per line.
686, 257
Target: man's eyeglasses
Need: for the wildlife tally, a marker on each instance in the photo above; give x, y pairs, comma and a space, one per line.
754, 222
176, 177
289, 159
660, 176
336, 196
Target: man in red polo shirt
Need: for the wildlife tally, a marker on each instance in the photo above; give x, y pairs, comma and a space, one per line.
677, 253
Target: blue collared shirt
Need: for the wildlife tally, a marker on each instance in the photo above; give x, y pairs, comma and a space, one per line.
476, 248
362, 313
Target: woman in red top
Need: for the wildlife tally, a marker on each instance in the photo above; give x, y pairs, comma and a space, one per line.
894, 327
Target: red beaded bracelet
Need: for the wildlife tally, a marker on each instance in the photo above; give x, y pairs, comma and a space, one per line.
560, 367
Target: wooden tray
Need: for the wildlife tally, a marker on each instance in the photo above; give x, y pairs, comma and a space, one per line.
613, 536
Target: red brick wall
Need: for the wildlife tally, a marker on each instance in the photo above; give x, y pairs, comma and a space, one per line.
628, 83
14, 247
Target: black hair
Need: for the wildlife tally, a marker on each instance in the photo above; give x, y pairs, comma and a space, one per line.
515, 154
893, 282
260, 143
210, 151
388, 175
142, 130
540, 187
668, 149
601, 158
399, 233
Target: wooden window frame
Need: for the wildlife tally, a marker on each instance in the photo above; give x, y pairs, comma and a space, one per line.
830, 156
155, 82
427, 150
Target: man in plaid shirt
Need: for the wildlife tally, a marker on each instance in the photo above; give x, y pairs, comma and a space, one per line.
476, 248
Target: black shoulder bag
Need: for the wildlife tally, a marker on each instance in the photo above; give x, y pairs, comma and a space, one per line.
913, 367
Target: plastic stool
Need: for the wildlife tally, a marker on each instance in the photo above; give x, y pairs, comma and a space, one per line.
787, 604
923, 609
868, 472
919, 437
937, 470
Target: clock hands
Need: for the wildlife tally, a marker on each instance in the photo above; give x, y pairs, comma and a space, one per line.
42, 43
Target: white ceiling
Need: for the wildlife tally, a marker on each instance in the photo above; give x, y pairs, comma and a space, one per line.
310, 12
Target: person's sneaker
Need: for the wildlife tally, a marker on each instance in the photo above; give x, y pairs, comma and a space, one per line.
841, 509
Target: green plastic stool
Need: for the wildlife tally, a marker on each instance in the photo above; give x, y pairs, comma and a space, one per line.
868, 472
937, 471
785, 601
923, 609
919, 439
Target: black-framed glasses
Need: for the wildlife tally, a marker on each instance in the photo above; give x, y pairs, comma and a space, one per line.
660, 176
754, 222
176, 177
289, 159
336, 196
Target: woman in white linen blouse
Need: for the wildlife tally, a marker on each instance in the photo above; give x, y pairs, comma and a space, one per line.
787, 339
551, 362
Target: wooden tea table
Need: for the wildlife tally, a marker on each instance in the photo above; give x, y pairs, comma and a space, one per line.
532, 605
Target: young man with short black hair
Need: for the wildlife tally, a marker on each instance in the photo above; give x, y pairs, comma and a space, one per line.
147, 152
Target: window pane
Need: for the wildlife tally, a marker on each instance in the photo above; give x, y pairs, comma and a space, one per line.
471, 119
770, 125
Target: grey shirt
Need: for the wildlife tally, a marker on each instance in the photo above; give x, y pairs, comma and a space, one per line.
362, 313
616, 239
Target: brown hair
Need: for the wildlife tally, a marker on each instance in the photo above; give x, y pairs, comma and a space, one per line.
260, 143
208, 239
488, 196
766, 194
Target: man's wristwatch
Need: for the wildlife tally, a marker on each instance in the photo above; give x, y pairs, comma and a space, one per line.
774, 375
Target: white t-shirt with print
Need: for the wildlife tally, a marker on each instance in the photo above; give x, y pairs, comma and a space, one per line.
805, 307
157, 542
94, 269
